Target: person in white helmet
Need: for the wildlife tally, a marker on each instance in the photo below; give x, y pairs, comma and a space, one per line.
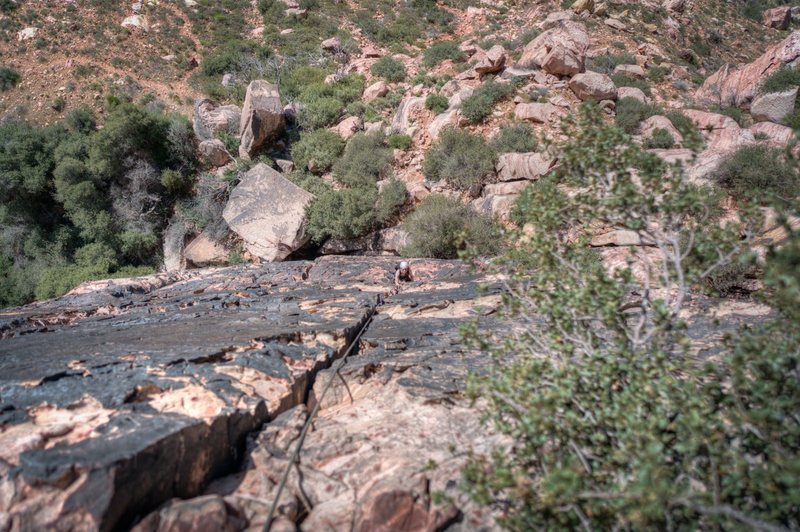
403, 273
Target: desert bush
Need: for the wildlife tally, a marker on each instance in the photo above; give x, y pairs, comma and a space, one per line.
517, 137
622, 80
317, 150
320, 112
605, 64
309, 182
81, 120
399, 142
441, 51
391, 198
656, 74
389, 69
366, 159
781, 80
460, 158
614, 422
692, 138
342, 214
441, 226
479, 106
8, 78
759, 173
324, 103
175, 182
660, 139
437, 103
631, 112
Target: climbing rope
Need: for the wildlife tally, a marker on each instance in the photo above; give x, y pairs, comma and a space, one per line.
307, 425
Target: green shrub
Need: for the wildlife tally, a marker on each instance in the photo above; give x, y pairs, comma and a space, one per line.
460, 158
389, 69
317, 150
342, 214
175, 182
309, 182
320, 112
81, 120
391, 198
479, 106
514, 138
441, 226
660, 140
293, 83
656, 74
8, 78
692, 138
437, 103
759, 173
735, 113
631, 112
399, 142
621, 80
366, 159
324, 103
781, 80
441, 51
605, 64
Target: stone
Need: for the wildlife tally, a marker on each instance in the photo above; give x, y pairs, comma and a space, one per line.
721, 132
616, 24
449, 118
593, 86
676, 6
211, 119
26, 34
561, 50
213, 152
262, 117
348, 127
634, 71
267, 211
773, 107
334, 44
376, 90
203, 251
390, 240
370, 51
137, 22
775, 135
491, 61
579, 6
406, 112
632, 92
778, 17
284, 165
730, 87
649, 126
505, 189
495, 205
530, 166
542, 113
555, 18
618, 237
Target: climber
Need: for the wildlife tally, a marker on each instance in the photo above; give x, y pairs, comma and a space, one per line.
402, 273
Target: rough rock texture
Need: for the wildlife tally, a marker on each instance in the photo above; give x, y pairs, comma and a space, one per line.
737, 87
676, 6
449, 118
632, 92
262, 117
211, 119
530, 166
490, 61
555, 18
376, 90
593, 86
213, 153
268, 212
541, 113
403, 118
203, 251
773, 107
630, 70
778, 17
649, 126
561, 50
348, 127
156, 382
774, 134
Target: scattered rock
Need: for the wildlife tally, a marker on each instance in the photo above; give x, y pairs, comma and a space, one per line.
615, 23
517, 166
334, 44
203, 251
135, 21
579, 6
630, 70
632, 92
211, 118
560, 50
778, 17
649, 126
593, 86
449, 118
491, 61
676, 6
773, 107
542, 113
262, 117
213, 152
376, 90
348, 127
555, 18
774, 134
284, 165
405, 112
268, 212
619, 237
27, 34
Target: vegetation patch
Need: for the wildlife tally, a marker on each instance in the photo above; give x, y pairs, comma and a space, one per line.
460, 158
479, 106
759, 173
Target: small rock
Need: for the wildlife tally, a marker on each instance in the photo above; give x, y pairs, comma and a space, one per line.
332, 45
376, 90
542, 113
27, 34
615, 24
348, 127
778, 17
593, 86
213, 152
630, 70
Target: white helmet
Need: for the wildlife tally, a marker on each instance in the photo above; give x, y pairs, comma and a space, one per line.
403, 265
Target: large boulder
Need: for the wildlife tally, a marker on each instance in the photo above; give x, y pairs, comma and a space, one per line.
404, 117
213, 153
490, 61
593, 86
203, 251
773, 134
649, 126
211, 118
267, 211
561, 50
376, 90
774, 106
262, 117
730, 87
449, 118
632, 92
541, 113
516, 166
778, 17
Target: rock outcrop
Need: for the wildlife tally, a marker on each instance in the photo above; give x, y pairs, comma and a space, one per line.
593, 86
774, 106
267, 211
561, 50
530, 166
210, 119
262, 117
778, 17
729, 87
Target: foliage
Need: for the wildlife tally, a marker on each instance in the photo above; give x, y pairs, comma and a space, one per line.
517, 137
605, 64
392, 197
622, 80
460, 158
442, 226
399, 142
631, 112
692, 138
437, 103
8, 78
656, 74
759, 173
660, 139
479, 106
324, 103
615, 424
389, 69
342, 214
317, 150
441, 51
781, 80
81, 120
366, 160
